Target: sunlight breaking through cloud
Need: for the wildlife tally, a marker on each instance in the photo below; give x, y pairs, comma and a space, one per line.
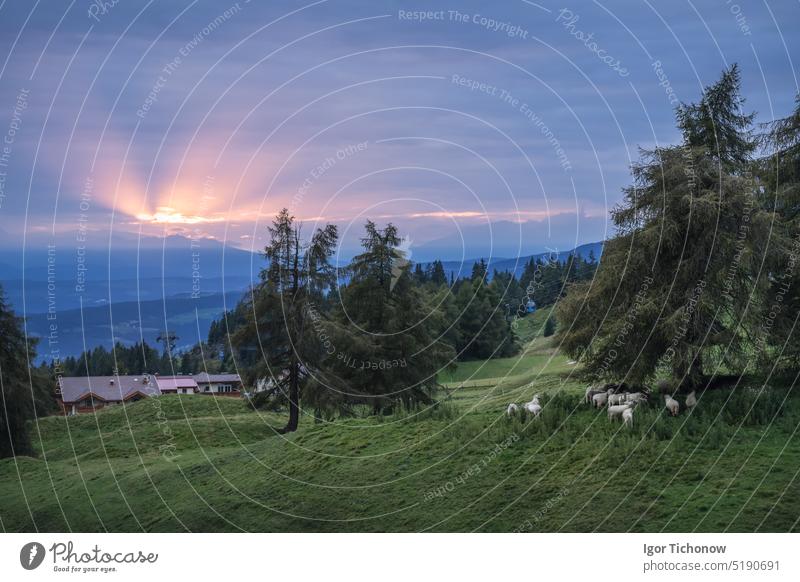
167, 215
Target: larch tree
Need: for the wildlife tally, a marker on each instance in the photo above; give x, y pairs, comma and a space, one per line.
674, 290
780, 173
283, 308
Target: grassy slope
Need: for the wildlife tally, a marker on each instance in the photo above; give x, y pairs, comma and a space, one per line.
571, 470
537, 356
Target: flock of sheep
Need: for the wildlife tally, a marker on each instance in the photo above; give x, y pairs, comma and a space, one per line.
619, 402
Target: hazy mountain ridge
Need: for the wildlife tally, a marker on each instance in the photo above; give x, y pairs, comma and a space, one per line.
175, 288
517, 265
132, 322
65, 276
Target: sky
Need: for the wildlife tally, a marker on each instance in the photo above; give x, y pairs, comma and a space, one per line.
476, 127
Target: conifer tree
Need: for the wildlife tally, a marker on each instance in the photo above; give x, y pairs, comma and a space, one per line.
24, 391
437, 275
285, 314
780, 173
393, 347
549, 327
674, 284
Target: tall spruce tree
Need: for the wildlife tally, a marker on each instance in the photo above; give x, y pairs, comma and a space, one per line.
420, 275
479, 271
393, 348
437, 274
675, 283
484, 325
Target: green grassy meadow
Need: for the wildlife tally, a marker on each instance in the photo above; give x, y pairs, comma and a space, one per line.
194, 463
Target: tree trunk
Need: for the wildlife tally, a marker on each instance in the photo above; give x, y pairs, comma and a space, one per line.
695, 376
294, 366
294, 399
691, 374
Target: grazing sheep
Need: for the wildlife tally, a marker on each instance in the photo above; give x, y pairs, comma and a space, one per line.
616, 388
533, 407
512, 409
592, 394
599, 400
627, 417
691, 400
591, 391
671, 404
617, 410
636, 397
615, 399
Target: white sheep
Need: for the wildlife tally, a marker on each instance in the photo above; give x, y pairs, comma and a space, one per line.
599, 400
627, 417
533, 406
617, 410
615, 399
512, 409
636, 397
671, 404
691, 400
591, 391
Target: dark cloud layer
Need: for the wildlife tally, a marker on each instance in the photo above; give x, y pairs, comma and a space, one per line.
204, 118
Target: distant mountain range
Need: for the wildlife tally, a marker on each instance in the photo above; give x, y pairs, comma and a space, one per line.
506, 238
145, 258
136, 290
158, 269
65, 275
127, 322
517, 265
